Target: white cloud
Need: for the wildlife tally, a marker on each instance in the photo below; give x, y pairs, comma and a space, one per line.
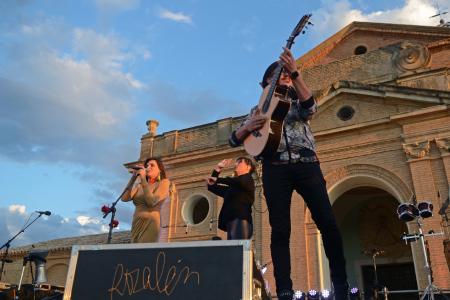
14, 218
175, 16
59, 106
100, 51
86, 220
17, 208
334, 15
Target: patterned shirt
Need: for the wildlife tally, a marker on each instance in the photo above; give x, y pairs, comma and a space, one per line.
296, 130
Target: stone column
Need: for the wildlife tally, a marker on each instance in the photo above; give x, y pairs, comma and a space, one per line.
425, 188
443, 145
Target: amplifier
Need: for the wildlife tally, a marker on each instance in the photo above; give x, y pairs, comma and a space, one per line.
200, 270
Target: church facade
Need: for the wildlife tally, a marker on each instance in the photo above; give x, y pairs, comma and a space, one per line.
383, 137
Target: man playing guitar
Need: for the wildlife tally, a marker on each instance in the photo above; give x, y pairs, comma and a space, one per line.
295, 166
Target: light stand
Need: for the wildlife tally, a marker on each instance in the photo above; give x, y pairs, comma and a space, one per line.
431, 289
8, 244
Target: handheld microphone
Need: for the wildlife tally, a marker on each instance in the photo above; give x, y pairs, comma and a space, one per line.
47, 213
133, 169
137, 168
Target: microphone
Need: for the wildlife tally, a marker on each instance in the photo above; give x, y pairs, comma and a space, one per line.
137, 168
132, 169
47, 213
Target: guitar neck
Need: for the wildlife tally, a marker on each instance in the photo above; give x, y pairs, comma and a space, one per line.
277, 73
276, 77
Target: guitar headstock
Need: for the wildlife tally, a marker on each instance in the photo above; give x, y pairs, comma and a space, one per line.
301, 27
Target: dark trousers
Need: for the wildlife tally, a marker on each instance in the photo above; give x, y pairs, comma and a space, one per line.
279, 182
238, 229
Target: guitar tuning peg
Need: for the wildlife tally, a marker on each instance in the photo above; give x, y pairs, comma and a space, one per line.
303, 32
309, 23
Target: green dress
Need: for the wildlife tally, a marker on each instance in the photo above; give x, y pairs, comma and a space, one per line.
148, 199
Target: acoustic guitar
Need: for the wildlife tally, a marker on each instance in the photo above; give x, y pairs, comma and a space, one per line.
274, 104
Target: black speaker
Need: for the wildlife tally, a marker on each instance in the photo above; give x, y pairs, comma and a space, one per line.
198, 270
58, 296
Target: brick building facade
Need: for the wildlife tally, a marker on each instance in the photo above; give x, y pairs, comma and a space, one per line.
383, 135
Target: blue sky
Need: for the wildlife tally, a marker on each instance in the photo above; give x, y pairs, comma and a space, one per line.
79, 79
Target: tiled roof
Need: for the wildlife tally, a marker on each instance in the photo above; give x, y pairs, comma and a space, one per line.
65, 244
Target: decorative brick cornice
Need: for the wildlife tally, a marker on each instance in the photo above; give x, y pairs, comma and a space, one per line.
444, 145
417, 150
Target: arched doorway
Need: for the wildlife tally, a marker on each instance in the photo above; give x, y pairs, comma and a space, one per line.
368, 222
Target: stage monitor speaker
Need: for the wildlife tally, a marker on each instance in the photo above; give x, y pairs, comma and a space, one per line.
201, 270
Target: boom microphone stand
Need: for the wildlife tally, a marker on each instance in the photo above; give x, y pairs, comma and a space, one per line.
112, 209
8, 243
376, 285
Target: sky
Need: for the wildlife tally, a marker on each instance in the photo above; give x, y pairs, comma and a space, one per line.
79, 79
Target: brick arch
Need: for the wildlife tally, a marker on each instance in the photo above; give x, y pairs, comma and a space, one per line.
349, 177
344, 179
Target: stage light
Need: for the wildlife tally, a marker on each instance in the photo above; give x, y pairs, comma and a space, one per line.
299, 295
326, 294
313, 295
355, 293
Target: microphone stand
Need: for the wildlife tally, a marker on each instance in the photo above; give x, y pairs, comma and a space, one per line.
112, 209
8, 244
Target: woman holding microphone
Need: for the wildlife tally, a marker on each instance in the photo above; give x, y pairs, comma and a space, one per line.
148, 191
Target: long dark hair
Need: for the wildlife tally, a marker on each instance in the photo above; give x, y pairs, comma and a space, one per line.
162, 170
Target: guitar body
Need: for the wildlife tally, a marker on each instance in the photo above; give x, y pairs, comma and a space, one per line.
265, 141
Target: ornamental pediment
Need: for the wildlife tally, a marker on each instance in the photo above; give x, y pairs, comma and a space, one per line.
352, 104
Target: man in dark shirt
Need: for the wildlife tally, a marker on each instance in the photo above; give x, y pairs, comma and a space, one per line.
238, 195
295, 166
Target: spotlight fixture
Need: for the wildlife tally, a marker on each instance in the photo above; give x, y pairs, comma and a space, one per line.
326, 294
313, 295
355, 293
299, 295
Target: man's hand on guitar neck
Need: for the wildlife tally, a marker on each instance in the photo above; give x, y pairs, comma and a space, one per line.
288, 60
290, 65
255, 122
